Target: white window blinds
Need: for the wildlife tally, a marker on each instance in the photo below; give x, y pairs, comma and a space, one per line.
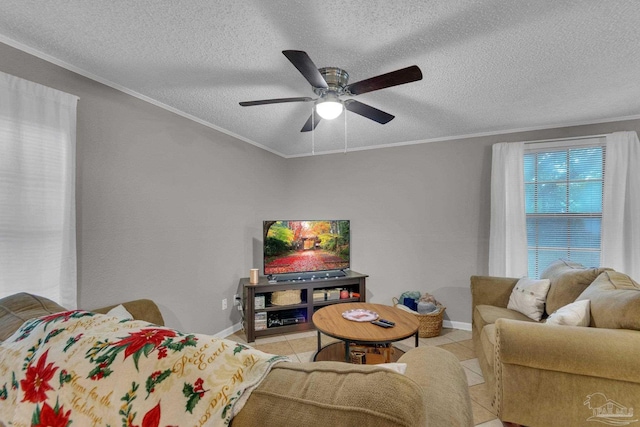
563, 202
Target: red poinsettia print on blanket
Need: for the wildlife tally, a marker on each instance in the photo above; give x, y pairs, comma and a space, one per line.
51, 417
143, 342
136, 341
64, 316
36, 381
152, 418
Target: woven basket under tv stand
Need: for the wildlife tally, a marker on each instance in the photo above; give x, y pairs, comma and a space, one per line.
291, 315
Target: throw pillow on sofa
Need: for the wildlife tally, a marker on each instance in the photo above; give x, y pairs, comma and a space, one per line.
574, 314
568, 280
121, 312
528, 297
615, 301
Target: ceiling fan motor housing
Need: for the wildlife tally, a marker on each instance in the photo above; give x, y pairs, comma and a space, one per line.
336, 79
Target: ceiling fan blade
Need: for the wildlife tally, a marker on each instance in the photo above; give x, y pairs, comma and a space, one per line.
274, 101
368, 111
307, 68
394, 78
307, 126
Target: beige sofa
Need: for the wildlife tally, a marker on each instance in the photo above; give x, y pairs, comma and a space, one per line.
548, 375
433, 391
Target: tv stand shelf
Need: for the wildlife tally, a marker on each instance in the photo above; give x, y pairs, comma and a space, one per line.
293, 317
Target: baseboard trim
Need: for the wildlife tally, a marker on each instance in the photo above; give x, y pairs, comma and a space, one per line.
229, 331
464, 326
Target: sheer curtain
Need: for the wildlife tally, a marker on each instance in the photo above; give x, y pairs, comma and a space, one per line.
508, 233
621, 204
37, 191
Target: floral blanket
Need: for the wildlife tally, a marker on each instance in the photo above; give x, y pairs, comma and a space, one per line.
89, 369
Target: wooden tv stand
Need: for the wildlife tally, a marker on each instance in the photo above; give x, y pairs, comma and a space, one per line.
294, 317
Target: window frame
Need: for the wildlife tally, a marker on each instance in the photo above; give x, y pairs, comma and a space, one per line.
562, 145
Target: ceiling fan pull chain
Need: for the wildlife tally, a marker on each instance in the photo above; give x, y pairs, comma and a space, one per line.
313, 139
345, 132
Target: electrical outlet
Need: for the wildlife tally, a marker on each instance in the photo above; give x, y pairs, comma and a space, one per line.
224, 304
236, 299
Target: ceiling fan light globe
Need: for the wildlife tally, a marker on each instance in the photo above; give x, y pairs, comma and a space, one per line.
329, 110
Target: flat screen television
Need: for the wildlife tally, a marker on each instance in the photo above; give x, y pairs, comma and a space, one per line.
306, 248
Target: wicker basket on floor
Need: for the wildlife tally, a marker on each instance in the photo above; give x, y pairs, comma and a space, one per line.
430, 323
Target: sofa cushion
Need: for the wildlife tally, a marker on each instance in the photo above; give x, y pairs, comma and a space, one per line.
337, 394
575, 314
488, 314
18, 308
568, 280
528, 297
615, 301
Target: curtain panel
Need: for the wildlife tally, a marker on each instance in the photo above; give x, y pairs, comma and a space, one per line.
37, 191
508, 232
620, 233
621, 204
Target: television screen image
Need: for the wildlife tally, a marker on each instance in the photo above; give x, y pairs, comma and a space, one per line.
305, 246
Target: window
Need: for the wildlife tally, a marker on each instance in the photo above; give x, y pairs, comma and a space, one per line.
563, 202
37, 191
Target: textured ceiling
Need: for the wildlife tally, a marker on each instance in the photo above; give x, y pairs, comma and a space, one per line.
489, 66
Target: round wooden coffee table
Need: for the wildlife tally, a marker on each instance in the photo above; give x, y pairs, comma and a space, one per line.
329, 321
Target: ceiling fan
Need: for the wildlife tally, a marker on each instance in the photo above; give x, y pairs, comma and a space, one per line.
330, 83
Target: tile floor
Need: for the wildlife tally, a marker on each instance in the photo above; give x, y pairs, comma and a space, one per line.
301, 347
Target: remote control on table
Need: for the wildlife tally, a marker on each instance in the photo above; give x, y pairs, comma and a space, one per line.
382, 324
388, 322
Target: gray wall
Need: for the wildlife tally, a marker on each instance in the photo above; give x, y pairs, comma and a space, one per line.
419, 214
172, 210
167, 209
